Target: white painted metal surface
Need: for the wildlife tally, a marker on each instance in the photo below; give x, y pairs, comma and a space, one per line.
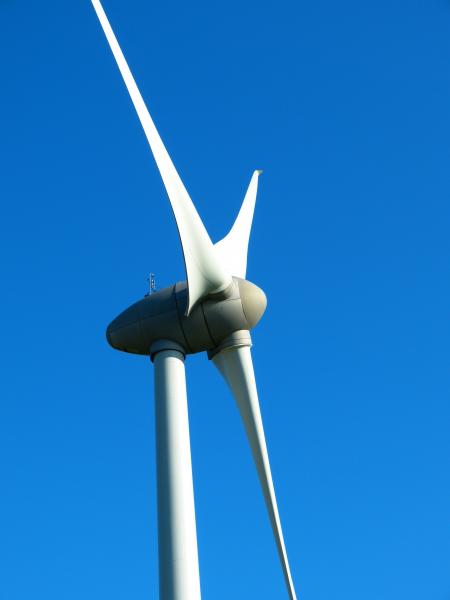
209, 269
236, 366
204, 269
177, 538
233, 248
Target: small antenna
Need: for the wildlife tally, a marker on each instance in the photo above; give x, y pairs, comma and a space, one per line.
151, 284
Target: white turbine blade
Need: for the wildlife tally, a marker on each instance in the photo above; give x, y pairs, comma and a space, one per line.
236, 366
233, 248
204, 270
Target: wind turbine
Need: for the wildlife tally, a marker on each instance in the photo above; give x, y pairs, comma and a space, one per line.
212, 311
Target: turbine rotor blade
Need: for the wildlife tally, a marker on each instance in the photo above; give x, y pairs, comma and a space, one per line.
236, 366
204, 270
233, 248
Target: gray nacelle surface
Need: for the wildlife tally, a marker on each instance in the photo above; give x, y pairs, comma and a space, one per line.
161, 316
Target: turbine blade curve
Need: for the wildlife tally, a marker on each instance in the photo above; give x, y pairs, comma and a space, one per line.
204, 270
236, 366
233, 248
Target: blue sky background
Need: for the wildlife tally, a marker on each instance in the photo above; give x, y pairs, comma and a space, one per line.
346, 107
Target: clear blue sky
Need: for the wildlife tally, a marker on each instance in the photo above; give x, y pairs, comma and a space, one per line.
346, 107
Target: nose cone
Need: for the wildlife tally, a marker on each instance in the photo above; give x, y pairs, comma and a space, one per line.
253, 300
124, 332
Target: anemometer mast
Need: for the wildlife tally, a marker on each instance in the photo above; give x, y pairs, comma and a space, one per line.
151, 284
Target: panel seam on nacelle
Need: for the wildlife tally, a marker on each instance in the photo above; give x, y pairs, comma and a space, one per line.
180, 321
207, 326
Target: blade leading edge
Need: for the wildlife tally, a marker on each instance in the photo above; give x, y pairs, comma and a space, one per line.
236, 366
204, 269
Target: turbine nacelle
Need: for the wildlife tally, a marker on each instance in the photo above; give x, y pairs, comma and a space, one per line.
162, 316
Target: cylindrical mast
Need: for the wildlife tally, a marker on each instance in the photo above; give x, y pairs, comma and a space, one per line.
177, 537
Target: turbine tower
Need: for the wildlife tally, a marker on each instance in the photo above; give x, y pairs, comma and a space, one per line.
213, 311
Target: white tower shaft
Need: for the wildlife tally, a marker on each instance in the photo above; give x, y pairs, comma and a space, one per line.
177, 537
